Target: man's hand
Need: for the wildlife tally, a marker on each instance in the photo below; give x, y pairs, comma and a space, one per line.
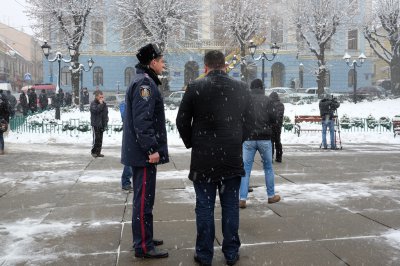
154, 158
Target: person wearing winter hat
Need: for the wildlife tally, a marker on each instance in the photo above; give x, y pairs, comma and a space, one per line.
277, 127
259, 139
144, 145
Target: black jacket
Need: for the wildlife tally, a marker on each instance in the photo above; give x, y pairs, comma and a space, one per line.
98, 115
327, 108
43, 100
279, 108
144, 130
4, 108
262, 116
210, 120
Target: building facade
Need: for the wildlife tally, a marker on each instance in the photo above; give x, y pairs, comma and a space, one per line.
293, 67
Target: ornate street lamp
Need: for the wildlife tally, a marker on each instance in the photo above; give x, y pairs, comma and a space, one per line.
58, 57
263, 56
81, 68
354, 66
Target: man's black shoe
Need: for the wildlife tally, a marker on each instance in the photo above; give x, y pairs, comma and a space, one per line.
197, 259
94, 155
278, 160
233, 261
156, 242
100, 155
153, 254
250, 189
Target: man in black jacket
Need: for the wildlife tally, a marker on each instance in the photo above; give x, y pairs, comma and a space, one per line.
327, 109
144, 145
259, 139
98, 120
4, 118
43, 100
277, 127
210, 120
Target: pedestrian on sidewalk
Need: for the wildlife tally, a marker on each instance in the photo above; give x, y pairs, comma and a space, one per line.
144, 145
127, 172
4, 118
277, 127
327, 108
98, 120
210, 120
262, 117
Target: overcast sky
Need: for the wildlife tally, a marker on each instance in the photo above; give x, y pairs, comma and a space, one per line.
11, 13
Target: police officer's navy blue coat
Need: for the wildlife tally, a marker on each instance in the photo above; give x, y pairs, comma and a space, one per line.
144, 123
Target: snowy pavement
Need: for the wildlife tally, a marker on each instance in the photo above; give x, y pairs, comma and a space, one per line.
60, 206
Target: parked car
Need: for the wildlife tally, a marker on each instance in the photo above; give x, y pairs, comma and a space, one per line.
372, 91
174, 98
282, 91
113, 101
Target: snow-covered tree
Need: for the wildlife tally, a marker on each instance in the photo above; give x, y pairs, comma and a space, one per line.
161, 21
383, 36
316, 22
241, 21
66, 20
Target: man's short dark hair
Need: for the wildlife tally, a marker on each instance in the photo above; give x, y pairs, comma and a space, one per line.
214, 59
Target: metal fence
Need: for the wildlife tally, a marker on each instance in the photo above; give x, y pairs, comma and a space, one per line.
20, 124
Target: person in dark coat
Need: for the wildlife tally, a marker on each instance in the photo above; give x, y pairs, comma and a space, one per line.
144, 145
259, 139
210, 120
12, 101
327, 109
277, 127
98, 120
4, 118
43, 100
23, 100
85, 96
32, 101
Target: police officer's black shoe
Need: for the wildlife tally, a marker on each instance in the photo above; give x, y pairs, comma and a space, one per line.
100, 155
94, 155
156, 242
153, 254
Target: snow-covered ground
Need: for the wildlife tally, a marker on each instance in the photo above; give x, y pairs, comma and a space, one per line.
379, 108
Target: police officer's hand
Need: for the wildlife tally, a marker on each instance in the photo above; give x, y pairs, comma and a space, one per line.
154, 158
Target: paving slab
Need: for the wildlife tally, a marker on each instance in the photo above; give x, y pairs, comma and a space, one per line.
337, 208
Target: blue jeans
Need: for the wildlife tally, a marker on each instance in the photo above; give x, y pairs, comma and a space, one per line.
126, 176
264, 147
1, 141
328, 123
205, 202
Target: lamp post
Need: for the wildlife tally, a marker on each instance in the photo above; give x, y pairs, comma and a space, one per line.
354, 66
81, 68
301, 75
58, 57
263, 56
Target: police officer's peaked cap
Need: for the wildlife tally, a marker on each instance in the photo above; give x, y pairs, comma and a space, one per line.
148, 53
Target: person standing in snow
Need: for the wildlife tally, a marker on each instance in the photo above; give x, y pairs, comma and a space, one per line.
127, 171
98, 120
43, 100
4, 118
211, 120
23, 100
144, 145
259, 139
327, 109
277, 127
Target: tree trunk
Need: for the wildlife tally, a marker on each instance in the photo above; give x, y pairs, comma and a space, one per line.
243, 68
395, 75
75, 78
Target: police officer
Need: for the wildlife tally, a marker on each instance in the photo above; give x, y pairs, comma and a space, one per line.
327, 109
144, 145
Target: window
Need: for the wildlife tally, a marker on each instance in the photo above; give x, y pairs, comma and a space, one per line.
97, 76
65, 76
276, 30
129, 74
352, 39
350, 78
97, 32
